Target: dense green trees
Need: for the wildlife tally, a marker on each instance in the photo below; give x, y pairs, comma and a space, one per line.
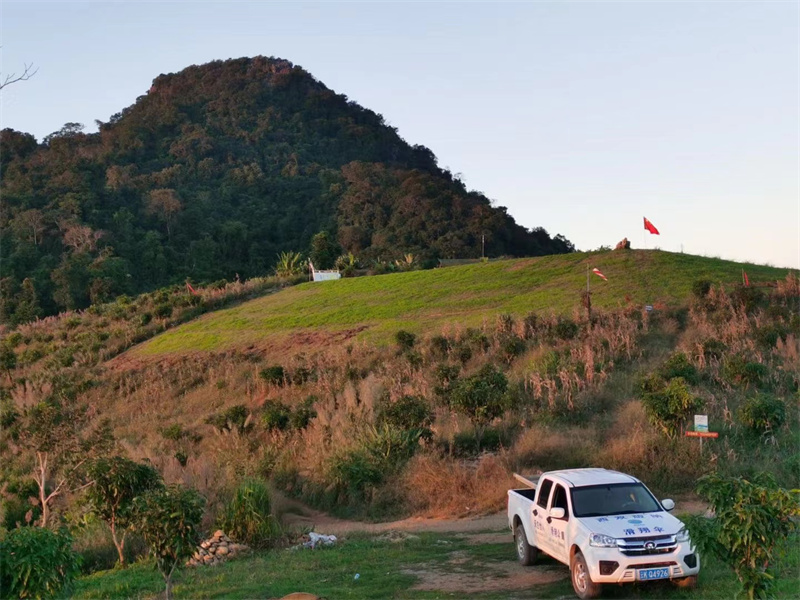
215, 172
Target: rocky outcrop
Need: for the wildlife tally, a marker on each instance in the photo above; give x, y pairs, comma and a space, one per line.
216, 549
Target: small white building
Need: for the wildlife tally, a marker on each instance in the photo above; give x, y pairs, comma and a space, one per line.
330, 275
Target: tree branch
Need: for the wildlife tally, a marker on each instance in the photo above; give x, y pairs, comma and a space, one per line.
27, 73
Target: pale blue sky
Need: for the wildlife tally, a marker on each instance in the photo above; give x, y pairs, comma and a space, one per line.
578, 116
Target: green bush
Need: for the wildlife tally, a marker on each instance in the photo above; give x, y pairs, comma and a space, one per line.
247, 517
668, 406
482, 397
275, 415
302, 416
763, 413
679, 365
701, 288
163, 310
37, 563
513, 347
408, 413
714, 348
440, 346
566, 329
275, 375
236, 417
768, 335
750, 520
405, 339
379, 453
737, 371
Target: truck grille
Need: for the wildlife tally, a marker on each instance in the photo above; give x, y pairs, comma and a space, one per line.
646, 546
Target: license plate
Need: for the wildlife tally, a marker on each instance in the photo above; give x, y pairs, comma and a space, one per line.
651, 574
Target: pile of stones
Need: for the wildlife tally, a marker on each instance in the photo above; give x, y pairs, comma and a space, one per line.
215, 550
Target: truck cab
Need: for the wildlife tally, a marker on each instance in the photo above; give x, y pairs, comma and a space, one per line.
605, 525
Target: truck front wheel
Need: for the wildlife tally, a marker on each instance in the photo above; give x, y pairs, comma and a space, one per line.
526, 554
582, 583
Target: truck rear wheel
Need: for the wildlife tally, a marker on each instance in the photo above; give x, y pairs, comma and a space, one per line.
526, 554
582, 583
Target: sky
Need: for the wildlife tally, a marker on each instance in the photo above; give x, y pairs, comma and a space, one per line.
580, 117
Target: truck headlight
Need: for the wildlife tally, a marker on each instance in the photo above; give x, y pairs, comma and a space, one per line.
598, 540
682, 535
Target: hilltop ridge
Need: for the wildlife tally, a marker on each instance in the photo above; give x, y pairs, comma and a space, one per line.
212, 173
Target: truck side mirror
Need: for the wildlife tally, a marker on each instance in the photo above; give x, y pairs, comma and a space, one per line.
557, 513
667, 504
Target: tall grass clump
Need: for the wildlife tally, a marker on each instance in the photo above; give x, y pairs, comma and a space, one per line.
247, 516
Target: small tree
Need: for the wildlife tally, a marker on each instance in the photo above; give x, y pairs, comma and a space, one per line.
117, 482
169, 520
482, 398
56, 434
669, 405
37, 563
750, 520
324, 251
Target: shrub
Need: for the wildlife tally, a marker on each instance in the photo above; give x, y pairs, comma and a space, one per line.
409, 413
379, 453
701, 288
237, 417
714, 348
301, 375
174, 432
276, 415
302, 416
763, 413
566, 329
117, 481
37, 563
247, 517
669, 405
163, 310
513, 347
274, 375
405, 339
768, 335
737, 371
440, 346
679, 365
169, 519
482, 397
750, 520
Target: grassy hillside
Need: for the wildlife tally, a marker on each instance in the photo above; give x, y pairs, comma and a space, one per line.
373, 308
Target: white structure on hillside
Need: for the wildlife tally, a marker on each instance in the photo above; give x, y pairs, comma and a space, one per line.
323, 275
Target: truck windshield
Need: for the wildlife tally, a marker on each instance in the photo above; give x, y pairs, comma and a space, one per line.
612, 499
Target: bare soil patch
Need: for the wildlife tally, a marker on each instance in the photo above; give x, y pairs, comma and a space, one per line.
457, 577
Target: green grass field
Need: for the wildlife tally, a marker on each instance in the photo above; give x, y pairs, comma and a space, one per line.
389, 569
376, 307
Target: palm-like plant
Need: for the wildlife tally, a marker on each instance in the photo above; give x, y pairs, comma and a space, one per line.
406, 263
347, 264
289, 264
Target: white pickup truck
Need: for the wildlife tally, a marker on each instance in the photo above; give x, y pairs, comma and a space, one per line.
606, 526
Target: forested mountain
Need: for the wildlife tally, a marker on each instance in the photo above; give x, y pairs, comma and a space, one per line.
210, 174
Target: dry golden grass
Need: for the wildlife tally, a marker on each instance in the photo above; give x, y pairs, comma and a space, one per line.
440, 486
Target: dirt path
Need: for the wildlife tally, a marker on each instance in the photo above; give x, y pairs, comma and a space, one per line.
299, 515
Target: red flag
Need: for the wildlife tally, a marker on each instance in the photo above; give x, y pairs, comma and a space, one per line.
745, 278
650, 227
599, 274
191, 289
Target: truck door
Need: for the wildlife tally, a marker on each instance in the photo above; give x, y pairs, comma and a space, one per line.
539, 515
557, 528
